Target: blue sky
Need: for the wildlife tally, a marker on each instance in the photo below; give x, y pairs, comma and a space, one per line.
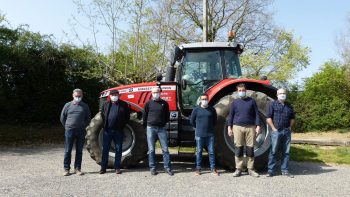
315, 22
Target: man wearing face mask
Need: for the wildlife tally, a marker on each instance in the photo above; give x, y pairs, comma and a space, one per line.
75, 117
244, 124
203, 119
156, 115
280, 118
115, 114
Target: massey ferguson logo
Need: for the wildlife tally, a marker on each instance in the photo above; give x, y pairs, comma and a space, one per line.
131, 89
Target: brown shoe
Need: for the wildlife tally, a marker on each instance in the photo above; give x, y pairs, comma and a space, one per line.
215, 172
237, 173
66, 173
78, 172
118, 171
253, 173
198, 172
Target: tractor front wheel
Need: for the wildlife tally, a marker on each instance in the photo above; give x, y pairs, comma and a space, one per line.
224, 144
134, 143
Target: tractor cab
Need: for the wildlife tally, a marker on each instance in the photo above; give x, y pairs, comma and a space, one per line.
201, 66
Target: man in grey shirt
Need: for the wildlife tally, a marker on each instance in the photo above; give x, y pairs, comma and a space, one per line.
75, 117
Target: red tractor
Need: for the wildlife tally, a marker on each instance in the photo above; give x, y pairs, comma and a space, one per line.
210, 67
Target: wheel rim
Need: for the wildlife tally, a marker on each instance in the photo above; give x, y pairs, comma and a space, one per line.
262, 141
128, 141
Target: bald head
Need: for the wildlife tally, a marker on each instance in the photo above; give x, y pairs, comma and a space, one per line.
281, 91
281, 95
156, 93
155, 90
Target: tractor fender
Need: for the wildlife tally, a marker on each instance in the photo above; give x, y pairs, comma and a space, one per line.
228, 86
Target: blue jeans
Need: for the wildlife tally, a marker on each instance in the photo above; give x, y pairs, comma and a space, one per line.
152, 133
200, 143
70, 136
280, 139
117, 137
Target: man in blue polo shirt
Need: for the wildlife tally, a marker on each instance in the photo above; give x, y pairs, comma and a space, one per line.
203, 119
280, 118
244, 124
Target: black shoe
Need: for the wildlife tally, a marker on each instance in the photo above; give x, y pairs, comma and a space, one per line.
171, 173
102, 171
118, 171
270, 174
287, 174
154, 172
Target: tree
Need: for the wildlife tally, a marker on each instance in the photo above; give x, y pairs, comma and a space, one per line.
250, 19
280, 61
37, 76
343, 43
324, 104
102, 15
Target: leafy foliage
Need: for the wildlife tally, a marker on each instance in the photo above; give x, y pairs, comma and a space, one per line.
325, 102
37, 76
281, 61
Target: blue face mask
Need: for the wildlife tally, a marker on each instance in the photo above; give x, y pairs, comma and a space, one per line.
242, 94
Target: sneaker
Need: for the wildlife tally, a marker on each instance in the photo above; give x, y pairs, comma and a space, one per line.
78, 172
154, 172
215, 172
168, 171
237, 173
66, 173
253, 173
198, 172
118, 171
287, 174
102, 171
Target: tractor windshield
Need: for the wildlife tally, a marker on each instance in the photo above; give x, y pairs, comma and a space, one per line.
202, 69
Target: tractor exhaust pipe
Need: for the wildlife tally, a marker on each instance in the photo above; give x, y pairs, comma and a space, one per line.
171, 70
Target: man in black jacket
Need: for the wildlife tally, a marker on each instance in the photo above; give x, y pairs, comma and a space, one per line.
155, 116
115, 114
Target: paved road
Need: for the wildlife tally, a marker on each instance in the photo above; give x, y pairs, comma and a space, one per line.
38, 172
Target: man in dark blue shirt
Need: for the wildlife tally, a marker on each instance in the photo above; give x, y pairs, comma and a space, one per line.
280, 118
115, 114
203, 119
243, 122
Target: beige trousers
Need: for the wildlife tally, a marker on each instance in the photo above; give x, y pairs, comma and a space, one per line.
244, 136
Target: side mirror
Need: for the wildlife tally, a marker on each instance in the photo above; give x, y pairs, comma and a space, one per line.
183, 84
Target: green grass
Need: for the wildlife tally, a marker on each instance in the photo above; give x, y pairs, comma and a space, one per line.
323, 154
13, 135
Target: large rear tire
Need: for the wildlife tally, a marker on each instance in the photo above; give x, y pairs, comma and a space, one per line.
224, 146
134, 143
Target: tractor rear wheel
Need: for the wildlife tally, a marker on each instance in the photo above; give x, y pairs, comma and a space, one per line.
224, 145
134, 143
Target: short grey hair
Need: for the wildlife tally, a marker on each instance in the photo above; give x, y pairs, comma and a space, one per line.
281, 90
77, 90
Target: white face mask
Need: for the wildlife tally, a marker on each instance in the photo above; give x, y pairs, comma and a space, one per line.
77, 99
282, 97
155, 96
242, 94
204, 103
114, 98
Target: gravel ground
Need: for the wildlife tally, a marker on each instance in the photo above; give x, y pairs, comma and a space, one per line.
38, 171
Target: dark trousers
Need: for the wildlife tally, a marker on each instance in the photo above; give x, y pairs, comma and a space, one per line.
117, 138
79, 137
